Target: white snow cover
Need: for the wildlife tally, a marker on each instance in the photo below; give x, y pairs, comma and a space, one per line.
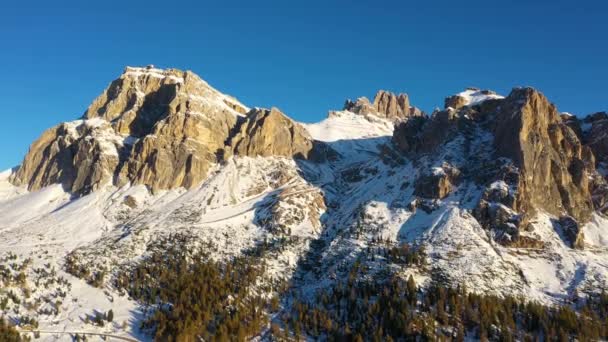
345, 125
474, 97
151, 72
352, 135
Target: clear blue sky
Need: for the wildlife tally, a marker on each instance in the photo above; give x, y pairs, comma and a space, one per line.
305, 58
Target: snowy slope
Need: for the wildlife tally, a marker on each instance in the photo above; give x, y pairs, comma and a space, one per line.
352, 135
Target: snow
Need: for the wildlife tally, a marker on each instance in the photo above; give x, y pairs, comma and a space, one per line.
346, 125
44, 226
475, 97
353, 136
499, 185
152, 72
8, 190
596, 231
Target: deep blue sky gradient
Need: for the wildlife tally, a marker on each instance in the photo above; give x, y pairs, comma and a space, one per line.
303, 57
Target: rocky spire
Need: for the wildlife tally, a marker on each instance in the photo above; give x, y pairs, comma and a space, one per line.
387, 105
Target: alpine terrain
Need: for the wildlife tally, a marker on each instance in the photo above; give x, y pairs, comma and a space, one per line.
170, 211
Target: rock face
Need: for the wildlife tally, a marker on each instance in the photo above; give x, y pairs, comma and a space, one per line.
554, 166
422, 134
80, 155
386, 105
544, 165
595, 134
394, 106
438, 184
455, 101
271, 133
178, 123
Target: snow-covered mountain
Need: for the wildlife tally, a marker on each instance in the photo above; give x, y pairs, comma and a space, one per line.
506, 196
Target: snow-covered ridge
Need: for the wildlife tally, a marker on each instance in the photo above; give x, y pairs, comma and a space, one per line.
474, 96
345, 125
151, 71
353, 136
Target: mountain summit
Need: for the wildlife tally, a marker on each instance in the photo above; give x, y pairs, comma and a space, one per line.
501, 195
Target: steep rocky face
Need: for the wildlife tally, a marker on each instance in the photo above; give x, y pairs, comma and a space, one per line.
545, 167
387, 105
141, 97
80, 155
594, 132
270, 133
178, 122
394, 106
455, 101
554, 166
181, 121
423, 134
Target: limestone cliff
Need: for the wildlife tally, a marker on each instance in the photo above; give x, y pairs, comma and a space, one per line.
176, 122
80, 155
554, 166
268, 132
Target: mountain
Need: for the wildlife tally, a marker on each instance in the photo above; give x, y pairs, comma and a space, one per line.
503, 195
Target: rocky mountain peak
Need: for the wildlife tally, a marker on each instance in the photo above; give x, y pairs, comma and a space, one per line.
394, 107
470, 97
537, 155
175, 124
141, 97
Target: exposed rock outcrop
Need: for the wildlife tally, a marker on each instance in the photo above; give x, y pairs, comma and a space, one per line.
455, 102
438, 184
268, 132
422, 134
386, 105
554, 165
80, 155
494, 211
594, 131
